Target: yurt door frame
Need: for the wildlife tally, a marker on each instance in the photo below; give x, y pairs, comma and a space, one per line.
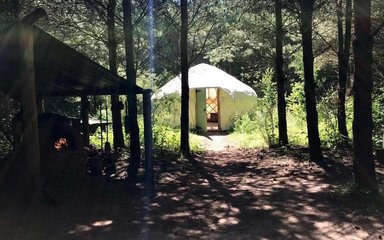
207, 109
201, 115
213, 109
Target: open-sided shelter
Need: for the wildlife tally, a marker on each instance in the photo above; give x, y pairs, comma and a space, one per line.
59, 70
34, 65
215, 97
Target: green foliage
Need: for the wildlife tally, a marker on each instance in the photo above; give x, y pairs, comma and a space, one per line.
266, 108
167, 143
246, 140
263, 119
66, 106
327, 115
328, 128
378, 118
296, 115
166, 111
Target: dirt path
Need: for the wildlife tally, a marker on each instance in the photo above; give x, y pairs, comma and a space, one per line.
216, 141
230, 194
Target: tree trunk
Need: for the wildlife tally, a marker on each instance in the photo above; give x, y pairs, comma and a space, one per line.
31, 164
134, 160
281, 103
184, 119
306, 14
363, 164
344, 42
118, 138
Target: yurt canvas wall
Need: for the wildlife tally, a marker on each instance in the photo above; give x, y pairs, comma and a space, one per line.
205, 112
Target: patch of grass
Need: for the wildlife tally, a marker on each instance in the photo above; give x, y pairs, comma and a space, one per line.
167, 142
95, 139
247, 140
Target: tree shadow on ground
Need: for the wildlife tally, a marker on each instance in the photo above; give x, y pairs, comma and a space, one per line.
247, 194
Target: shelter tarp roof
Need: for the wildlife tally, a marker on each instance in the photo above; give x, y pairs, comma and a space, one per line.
59, 69
206, 76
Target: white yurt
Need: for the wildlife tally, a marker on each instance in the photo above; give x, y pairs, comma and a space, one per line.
215, 98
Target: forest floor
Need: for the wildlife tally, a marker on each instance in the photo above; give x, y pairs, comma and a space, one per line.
224, 193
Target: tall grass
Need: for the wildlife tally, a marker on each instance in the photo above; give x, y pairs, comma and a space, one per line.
258, 127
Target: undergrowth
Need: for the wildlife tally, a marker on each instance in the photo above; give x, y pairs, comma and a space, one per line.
166, 141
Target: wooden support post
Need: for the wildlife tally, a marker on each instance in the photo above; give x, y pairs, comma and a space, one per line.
31, 162
148, 141
84, 112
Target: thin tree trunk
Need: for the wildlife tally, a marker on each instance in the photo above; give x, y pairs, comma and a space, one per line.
363, 165
31, 163
281, 103
306, 14
134, 160
184, 119
344, 42
118, 138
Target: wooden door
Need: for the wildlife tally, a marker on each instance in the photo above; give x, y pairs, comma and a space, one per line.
201, 115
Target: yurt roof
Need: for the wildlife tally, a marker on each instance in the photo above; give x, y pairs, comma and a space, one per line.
206, 76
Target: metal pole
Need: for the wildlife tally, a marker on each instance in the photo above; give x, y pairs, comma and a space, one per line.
148, 139
101, 124
84, 112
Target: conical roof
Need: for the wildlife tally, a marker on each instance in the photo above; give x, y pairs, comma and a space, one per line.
206, 76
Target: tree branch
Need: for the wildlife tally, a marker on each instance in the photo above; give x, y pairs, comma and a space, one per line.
325, 40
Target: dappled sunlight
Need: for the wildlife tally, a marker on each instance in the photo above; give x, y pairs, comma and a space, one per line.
256, 191
102, 223
80, 228
237, 194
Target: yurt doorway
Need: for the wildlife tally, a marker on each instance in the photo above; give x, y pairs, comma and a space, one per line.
207, 109
212, 109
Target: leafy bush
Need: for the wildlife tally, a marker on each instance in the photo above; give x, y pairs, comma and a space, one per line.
328, 125
378, 118
296, 115
266, 105
263, 119
327, 116
166, 141
166, 110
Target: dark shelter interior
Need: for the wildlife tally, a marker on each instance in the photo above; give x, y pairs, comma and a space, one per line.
35, 65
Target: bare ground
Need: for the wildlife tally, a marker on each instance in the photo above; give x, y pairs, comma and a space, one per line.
225, 193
